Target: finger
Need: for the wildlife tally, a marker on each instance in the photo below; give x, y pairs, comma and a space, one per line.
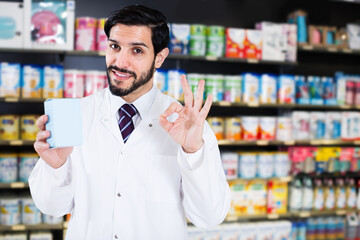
199, 95
41, 121
205, 110
188, 95
174, 107
165, 124
42, 135
41, 146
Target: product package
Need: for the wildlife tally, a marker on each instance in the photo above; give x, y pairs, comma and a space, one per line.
234, 47
50, 25
10, 79
11, 25
32, 81
332, 125
53, 81
302, 94
215, 41
232, 88
214, 85
286, 89
74, 83
85, 34
161, 82
250, 88
249, 128
179, 38
274, 41
197, 44
268, 88
301, 125
174, 84
217, 125
65, 131
317, 125
316, 90
284, 129
277, 197
329, 90
267, 128
253, 44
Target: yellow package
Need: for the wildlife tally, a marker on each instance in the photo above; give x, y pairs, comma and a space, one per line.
277, 197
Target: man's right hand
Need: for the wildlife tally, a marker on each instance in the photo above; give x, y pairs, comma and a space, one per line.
54, 157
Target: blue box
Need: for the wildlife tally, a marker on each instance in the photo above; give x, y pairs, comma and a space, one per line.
64, 122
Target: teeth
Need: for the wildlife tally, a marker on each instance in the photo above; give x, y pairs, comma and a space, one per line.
121, 75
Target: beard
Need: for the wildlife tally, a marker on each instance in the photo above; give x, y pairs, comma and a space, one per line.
144, 78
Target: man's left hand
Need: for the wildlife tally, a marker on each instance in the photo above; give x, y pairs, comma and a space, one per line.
187, 130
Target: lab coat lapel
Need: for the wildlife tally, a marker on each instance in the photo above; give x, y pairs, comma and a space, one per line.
109, 122
150, 122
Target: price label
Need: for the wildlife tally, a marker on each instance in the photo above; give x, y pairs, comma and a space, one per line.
254, 61
16, 143
308, 47
262, 142
211, 58
304, 214
18, 227
332, 49
273, 216
11, 99
290, 142
17, 185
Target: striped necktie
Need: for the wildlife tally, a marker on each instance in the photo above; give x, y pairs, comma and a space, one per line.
126, 112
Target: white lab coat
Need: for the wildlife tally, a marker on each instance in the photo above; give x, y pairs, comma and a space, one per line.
143, 189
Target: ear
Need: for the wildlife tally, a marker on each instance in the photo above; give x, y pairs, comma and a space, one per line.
160, 57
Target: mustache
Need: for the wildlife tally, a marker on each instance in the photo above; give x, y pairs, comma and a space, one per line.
112, 67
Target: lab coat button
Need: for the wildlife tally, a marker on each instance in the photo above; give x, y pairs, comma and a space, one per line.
116, 236
150, 124
118, 194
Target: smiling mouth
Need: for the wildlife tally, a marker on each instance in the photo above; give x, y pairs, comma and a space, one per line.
122, 75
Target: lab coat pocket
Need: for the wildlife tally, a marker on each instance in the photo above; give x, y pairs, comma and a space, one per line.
164, 179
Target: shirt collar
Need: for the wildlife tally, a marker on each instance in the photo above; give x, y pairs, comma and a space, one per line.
142, 104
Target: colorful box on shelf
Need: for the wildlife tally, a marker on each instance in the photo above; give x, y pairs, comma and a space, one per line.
49, 26
11, 25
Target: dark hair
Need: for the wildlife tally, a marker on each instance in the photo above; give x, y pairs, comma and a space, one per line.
138, 15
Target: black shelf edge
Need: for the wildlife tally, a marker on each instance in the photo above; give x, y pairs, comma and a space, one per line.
327, 49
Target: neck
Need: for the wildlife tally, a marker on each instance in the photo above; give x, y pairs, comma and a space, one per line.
138, 93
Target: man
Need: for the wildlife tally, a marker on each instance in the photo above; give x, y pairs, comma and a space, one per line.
141, 183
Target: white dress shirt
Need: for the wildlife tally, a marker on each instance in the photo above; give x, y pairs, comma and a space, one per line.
144, 189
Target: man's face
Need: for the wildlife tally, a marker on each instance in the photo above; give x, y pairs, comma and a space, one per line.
130, 61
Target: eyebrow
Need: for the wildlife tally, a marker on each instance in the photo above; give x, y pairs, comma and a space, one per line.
132, 44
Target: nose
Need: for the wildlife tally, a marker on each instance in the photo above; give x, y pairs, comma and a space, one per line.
122, 59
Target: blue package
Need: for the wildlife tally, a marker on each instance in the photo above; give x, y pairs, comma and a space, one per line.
250, 88
302, 90
7, 27
179, 38
302, 29
316, 90
160, 80
64, 122
329, 91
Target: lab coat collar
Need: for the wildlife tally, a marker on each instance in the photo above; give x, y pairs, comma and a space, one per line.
147, 124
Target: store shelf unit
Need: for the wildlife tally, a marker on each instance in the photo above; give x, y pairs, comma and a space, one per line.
320, 49
315, 142
14, 185
291, 215
36, 227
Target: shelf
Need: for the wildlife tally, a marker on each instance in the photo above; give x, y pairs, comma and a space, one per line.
320, 49
22, 227
22, 100
290, 106
316, 142
225, 59
290, 215
14, 185
16, 143
282, 179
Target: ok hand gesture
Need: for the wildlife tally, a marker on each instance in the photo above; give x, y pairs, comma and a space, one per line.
187, 130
